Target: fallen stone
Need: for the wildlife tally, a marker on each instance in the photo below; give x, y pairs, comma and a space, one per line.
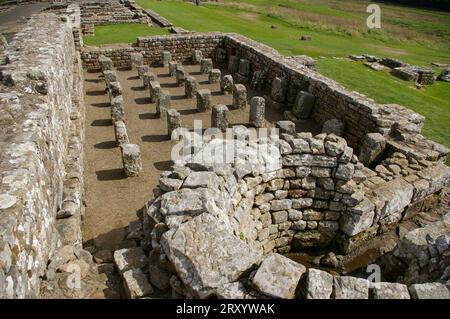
347, 287
319, 284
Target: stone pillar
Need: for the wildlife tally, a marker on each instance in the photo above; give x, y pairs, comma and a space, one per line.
214, 76
117, 109
131, 158
142, 69
203, 100
173, 121
136, 59
110, 76
206, 66
106, 64
180, 75
233, 64
226, 84
219, 117
257, 111
190, 87
121, 133
155, 89
243, 74
173, 68
197, 56
163, 103
304, 104
115, 89
147, 78
239, 96
278, 93
166, 57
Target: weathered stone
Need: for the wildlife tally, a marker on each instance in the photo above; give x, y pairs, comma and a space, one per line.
201, 179
244, 67
131, 158
214, 76
319, 284
173, 68
115, 89
136, 284
205, 263
190, 87
309, 160
166, 57
344, 171
393, 196
234, 290
136, 59
117, 109
347, 287
431, 290
180, 75
257, 111
226, 84
203, 100
285, 127
197, 56
147, 77
163, 103
278, 91
304, 104
358, 218
389, 290
278, 276
372, 148
155, 90
128, 258
239, 96
233, 64
142, 69
206, 66
333, 126
106, 64
173, 121
121, 133
219, 117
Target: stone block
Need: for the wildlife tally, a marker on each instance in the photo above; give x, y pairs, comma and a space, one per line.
117, 109
244, 67
372, 148
173, 68
226, 84
304, 104
219, 117
203, 100
166, 57
287, 127
121, 133
206, 66
180, 75
214, 76
163, 103
319, 284
239, 96
197, 56
278, 91
131, 158
190, 87
346, 287
142, 69
233, 64
136, 59
333, 126
257, 111
147, 78
173, 121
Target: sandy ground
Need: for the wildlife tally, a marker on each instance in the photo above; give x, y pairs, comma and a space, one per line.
113, 200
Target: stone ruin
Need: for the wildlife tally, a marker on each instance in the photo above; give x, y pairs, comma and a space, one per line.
214, 229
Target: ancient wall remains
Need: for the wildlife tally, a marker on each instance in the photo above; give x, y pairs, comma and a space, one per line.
42, 118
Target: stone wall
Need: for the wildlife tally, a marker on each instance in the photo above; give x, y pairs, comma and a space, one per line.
42, 120
314, 197
181, 47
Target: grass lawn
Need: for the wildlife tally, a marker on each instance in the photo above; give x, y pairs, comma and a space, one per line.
121, 33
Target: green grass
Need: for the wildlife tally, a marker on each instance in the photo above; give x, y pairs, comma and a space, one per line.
121, 33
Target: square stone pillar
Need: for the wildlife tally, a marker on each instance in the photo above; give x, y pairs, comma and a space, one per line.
115, 89
142, 69
163, 103
180, 75
136, 59
197, 56
226, 84
190, 87
173, 121
239, 96
203, 100
155, 89
257, 111
117, 109
131, 158
233, 64
206, 66
219, 117
121, 133
110, 76
147, 78
173, 68
106, 64
214, 76
166, 57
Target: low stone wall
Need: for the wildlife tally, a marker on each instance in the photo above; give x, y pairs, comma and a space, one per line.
181, 47
42, 120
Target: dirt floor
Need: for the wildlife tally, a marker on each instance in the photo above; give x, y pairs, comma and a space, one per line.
113, 200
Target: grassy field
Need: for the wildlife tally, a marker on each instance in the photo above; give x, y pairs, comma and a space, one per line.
338, 29
121, 33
